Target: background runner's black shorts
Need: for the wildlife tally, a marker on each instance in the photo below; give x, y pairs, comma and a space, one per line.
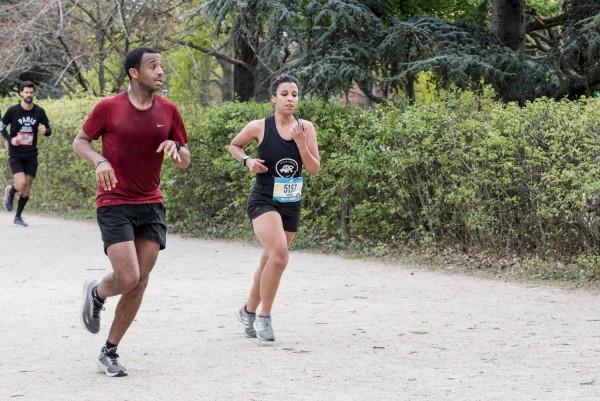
27, 166
120, 223
290, 214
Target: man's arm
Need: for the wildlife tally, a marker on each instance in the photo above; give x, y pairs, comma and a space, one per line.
105, 174
3, 124
46, 123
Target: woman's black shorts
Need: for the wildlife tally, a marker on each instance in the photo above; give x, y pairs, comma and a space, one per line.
290, 214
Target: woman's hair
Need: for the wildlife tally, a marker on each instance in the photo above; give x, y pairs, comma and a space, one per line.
283, 78
134, 58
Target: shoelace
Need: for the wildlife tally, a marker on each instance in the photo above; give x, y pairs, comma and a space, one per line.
96, 308
113, 359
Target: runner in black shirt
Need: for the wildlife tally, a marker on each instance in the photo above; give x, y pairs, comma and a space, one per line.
26, 121
286, 146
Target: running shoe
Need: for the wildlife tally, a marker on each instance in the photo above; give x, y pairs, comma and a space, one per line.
90, 308
8, 200
247, 320
264, 330
20, 222
108, 362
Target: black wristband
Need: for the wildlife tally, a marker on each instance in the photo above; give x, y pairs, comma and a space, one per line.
177, 145
100, 162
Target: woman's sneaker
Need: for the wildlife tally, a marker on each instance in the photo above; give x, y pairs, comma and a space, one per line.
108, 362
247, 320
264, 330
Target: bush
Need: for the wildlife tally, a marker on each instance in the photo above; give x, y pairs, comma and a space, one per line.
465, 173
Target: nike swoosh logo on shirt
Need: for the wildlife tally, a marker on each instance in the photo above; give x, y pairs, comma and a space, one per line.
159, 125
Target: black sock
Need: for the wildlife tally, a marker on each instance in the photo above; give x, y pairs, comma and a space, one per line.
246, 310
96, 296
12, 191
110, 345
21, 205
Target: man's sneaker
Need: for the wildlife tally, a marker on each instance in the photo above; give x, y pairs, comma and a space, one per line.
90, 308
247, 320
264, 330
8, 200
108, 362
20, 222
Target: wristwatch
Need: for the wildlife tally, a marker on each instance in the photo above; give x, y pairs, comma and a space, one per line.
244, 161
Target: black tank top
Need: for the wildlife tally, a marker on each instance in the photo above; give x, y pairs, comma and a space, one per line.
281, 157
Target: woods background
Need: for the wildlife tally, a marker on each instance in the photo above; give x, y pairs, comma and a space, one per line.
465, 132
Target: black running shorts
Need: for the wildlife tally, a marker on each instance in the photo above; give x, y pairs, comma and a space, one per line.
121, 223
28, 166
290, 214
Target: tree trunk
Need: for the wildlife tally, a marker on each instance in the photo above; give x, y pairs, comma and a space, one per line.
508, 22
243, 79
410, 88
226, 81
262, 84
344, 213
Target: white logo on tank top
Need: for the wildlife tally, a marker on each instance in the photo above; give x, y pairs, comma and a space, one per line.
286, 168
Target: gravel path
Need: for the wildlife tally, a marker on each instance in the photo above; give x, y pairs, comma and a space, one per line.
346, 329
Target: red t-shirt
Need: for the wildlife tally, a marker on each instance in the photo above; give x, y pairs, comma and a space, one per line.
130, 137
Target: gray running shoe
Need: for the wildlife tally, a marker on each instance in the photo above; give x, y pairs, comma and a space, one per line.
8, 200
108, 362
264, 329
20, 222
248, 322
90, 309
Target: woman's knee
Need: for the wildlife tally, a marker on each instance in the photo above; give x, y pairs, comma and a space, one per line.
279, 257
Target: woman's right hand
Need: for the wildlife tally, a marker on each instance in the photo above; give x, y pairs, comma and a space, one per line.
256, 166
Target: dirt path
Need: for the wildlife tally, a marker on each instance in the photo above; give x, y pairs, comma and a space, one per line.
346, 329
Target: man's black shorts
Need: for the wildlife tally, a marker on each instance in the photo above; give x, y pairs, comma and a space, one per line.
120, 223
28, 166
290, 214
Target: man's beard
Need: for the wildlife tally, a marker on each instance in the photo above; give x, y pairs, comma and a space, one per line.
28, 99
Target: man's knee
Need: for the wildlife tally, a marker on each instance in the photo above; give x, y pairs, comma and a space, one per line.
20, 186
127, 282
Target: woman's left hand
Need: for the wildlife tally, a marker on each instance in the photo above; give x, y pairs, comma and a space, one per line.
299, 133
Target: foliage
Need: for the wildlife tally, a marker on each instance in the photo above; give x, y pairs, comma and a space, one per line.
447, 10
65, 181
333, 46
382, 46
71, 45
190, 77
465, 173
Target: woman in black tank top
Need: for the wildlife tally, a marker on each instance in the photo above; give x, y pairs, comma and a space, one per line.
286, 145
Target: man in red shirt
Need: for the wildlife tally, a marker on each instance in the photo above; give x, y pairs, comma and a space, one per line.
138, 128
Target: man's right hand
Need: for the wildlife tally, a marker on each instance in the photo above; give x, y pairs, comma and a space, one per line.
105, 176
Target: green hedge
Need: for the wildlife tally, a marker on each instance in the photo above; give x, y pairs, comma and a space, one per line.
465, 172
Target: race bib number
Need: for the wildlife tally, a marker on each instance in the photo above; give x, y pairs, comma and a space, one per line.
26, 138
288, 189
